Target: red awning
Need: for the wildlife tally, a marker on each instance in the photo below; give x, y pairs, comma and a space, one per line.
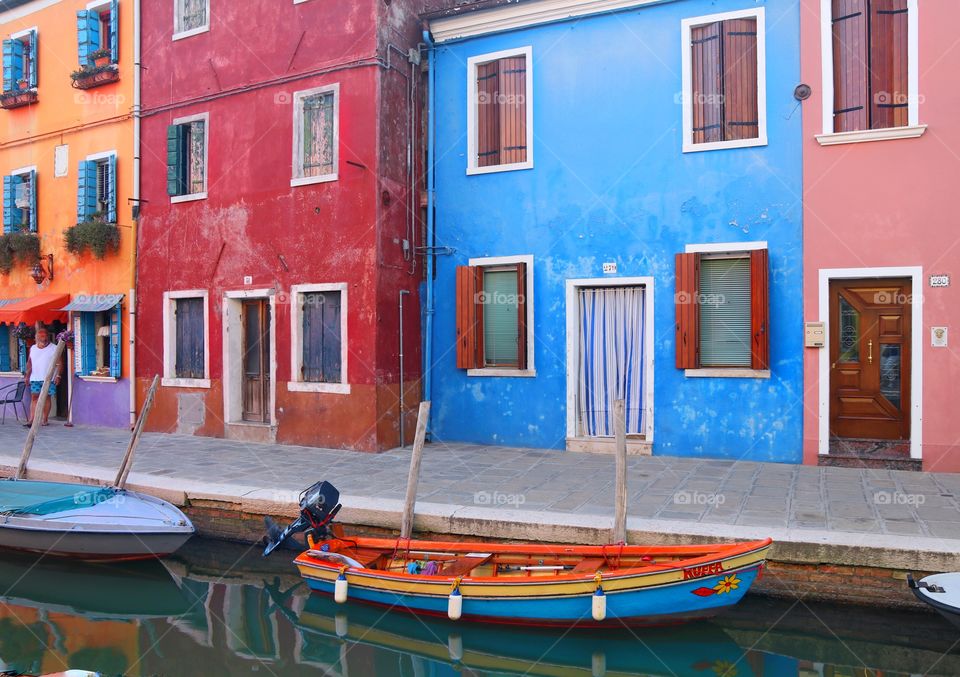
40, 308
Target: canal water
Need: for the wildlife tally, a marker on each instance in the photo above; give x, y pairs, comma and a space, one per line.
220, 609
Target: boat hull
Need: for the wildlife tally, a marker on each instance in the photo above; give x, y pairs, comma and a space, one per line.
946, 597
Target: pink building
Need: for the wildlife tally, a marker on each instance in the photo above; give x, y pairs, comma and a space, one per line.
881, 243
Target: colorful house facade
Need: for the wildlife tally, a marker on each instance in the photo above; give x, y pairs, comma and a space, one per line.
618, 216
68, 162
880, 239
280, 220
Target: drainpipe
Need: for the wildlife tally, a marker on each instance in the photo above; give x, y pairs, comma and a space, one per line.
132, 298
428, 245
403, 439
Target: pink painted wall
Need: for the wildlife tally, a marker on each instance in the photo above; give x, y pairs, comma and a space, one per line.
892, 203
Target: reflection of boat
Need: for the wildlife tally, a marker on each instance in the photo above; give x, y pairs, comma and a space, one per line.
696, 649
87, 522
940, 591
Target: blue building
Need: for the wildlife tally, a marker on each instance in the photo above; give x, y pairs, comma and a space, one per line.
616, 214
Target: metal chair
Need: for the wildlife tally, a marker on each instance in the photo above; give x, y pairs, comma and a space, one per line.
13, 395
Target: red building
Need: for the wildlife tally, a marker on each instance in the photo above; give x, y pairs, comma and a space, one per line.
279, 223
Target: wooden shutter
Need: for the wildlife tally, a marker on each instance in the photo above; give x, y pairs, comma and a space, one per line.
5, 347
115, 341
488, 115
22, 349
850, 65
9, 64
707, 94
512, 91
190, 338
88, 35
759, 309
78, 346
332, 339
34, 60
88, 333
176, 159
740, 108
687, 311
522, 347
33, 201
112, 190
86, 190
469, 329
114, 31
889, 88
9, 204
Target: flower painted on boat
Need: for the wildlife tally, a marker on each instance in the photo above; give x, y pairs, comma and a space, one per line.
727, 583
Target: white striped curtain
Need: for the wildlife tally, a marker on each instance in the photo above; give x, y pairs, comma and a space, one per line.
611, 359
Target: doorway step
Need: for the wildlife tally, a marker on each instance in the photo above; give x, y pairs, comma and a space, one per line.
867, 453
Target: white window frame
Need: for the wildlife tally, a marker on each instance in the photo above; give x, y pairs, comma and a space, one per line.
205, 117
473, 132
686, 25
719, 249
20, 171
297, 177
170, 337
181, 34
106, 155
531, 370
296, 383
913, 129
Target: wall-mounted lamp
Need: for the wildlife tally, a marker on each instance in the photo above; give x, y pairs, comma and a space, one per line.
40, 274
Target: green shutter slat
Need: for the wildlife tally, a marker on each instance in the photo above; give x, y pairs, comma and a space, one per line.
176, 169
725, 334
500, 319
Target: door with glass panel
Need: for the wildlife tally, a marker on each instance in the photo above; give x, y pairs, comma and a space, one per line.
870, 359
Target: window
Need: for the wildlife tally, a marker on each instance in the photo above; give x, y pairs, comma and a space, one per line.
20, 61
870, 60
500, 113
96, 349
494, 316
97, 188
316, 135
9, 349
185, 336
319, 334
98, 33
724, 95
190, 17
722, 310
187, 158
20, 201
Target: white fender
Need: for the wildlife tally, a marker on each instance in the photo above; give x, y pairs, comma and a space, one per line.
455, 648
599, 605
342, 625
455, 605
340, 589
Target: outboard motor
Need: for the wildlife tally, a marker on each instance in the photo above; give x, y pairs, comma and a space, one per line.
319, 504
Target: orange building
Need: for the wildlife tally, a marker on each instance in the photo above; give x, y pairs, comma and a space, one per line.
67, 157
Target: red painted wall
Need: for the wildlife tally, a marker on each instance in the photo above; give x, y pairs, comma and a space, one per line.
243, 72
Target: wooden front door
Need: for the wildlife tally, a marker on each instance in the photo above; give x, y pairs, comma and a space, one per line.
870, 359
256, 360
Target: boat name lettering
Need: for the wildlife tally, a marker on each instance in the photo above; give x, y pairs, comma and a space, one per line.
701, 571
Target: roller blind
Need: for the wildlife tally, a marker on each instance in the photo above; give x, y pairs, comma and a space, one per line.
500, 318
725, 328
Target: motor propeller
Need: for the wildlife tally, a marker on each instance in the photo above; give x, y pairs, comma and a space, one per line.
319, 504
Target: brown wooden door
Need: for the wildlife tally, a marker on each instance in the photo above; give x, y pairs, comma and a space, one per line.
256, 361
870, 359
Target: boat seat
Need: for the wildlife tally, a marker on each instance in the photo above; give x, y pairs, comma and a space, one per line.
589, 565
462, 566
366, 556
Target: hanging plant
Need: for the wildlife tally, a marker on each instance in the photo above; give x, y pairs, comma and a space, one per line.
95, 235
25, 332
66, 336
17, 248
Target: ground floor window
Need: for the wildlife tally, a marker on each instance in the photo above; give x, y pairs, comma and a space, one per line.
96, 347
319, 333
9, 349
186, 333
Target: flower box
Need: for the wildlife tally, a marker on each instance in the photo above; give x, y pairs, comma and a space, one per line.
16, 99
95, 77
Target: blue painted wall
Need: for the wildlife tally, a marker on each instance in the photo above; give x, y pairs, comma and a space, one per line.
610, 183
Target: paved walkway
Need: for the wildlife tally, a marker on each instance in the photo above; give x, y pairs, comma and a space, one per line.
907, 510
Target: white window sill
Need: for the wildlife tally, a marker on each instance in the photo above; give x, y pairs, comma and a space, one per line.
304, 387
193, 31
185, 382
866, 135
174, 199
724, 145
310, 180
726, 372
11, 374
516, 166
494, 371
97, 379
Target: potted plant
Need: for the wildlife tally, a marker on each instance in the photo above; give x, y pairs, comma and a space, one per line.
101, 57
95, 235
24, 85
66, 336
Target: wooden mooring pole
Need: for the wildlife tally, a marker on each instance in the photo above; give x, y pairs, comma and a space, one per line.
38, 411
620, 505
406, 523
127, 463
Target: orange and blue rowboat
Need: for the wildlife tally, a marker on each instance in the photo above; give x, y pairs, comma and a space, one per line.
535, 584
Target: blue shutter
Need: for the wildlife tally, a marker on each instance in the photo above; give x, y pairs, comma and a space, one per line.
9, 83
115, 341
112, 191
35, 56
33, 201
88, 338
114, 31
8, 204
22, 354
86, 190
4, 347
88, 35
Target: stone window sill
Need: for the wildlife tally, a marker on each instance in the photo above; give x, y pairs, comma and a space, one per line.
97, 379
866, 135
493, 371
185, 382
726, 372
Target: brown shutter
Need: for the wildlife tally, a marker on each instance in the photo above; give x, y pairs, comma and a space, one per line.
513, 110
522, 346
488, 114
467, 316
688, 311
706, 97
740, 108
759, 309
850, 65
888, 64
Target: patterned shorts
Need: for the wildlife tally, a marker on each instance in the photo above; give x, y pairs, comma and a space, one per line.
37, 386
